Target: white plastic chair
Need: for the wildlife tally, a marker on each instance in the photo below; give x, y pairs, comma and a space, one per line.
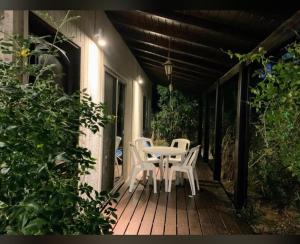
188, 167
142, 142
140, 165
181, 143
118, 141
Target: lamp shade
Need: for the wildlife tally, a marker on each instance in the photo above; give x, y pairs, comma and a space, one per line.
168, 67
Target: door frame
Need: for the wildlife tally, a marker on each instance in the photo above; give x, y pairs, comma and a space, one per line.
120, 79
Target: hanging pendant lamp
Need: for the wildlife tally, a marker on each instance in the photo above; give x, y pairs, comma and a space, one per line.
169, 68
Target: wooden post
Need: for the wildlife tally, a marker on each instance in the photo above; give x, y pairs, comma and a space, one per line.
206, 128
218, 132
242, 139
200, 132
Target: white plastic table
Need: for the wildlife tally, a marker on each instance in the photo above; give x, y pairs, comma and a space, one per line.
165, 152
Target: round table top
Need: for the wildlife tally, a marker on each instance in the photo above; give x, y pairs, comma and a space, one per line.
164, 150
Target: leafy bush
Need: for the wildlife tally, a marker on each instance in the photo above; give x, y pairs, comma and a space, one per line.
177, 116
40, 160
275, 148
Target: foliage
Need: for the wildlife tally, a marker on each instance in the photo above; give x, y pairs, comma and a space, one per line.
252, 214
228, 144
40, 160
177, 116
275, 148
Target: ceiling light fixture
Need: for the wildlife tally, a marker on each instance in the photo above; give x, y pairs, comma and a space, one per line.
169, 68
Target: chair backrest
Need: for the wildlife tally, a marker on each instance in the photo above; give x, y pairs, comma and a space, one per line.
118, 141
191, 158
140, 143
181, 143
135, 155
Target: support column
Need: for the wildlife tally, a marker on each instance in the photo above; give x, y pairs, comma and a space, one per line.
242, 139
206, 129
218, 132
200, 129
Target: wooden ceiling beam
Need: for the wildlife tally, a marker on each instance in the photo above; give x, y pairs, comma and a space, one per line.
177, 31
199, 74
192, 53
175, 72
162, 40
164, 57
157, 69
177, 82
160, 78
204, 64
198, 25
182, 37
176, 77
278, 37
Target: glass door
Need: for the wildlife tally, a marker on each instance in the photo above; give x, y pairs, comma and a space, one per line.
119, 163
109, 133
113, 136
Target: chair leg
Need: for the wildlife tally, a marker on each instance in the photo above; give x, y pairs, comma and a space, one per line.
161, 169
154, 180
177, 178
144, 177
132, 178
117, 165
181, 178
196, 178
170, 179
166, 175
192, 182
150, 177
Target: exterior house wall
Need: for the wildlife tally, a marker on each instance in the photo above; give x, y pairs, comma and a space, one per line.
116, 57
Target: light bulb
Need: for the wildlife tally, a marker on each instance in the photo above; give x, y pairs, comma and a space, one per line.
170, 87
140, 81
102, 42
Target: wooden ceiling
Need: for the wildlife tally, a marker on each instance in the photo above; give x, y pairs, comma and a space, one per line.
198, 41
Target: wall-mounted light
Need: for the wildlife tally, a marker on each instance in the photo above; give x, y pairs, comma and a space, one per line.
100, 38
140, 80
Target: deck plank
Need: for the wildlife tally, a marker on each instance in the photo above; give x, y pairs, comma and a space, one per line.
147, 222
123, 203
139, 212
171, 222
210, 212
193, 217
203, 206
160, 214
125, 218
182, 220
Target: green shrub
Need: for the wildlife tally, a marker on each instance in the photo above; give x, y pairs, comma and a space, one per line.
275, 147
40, 160
177, 116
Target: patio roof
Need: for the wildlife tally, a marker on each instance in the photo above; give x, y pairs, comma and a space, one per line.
198, 41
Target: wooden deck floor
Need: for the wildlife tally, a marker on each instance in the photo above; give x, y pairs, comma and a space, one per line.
210, 212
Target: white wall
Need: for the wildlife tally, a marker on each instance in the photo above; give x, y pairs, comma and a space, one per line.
115, 56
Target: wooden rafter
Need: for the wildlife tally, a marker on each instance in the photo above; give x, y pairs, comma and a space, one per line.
199, 25
179, 67
161, 34
189, 53
179, 61
175, 72
279, 36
